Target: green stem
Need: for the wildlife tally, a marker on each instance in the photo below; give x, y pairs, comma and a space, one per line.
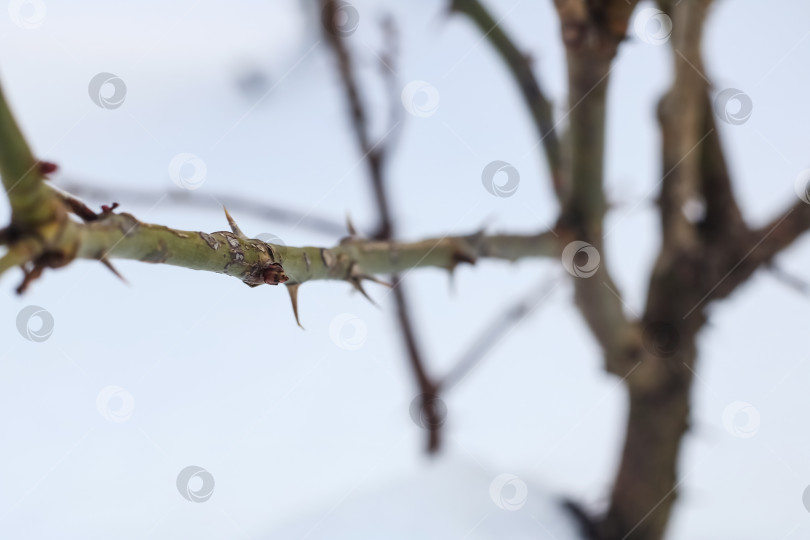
124, 237
32, 203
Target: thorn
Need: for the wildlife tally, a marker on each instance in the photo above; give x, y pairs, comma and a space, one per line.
234, 227
451, 279
350, 226
375, 279
106, 262
357, 284
29, 276
356, 277
459, 257
78, 207
356, 273
293, 290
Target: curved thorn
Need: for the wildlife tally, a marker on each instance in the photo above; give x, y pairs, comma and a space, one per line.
106, 262
76, 206
293, 290
376, 280
356, 283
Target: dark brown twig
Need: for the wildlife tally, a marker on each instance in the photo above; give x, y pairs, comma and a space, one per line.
519, 65
646, 482
788, 279
374, 155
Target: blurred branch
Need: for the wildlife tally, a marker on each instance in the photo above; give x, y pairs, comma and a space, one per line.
496, 330
723, 218
373, 153
591, 40
388, 57
519, 65
591, 35
693, 171
373, 158
681, 113
793, 281
239, 205
780, 233
40, 233
756, 249
32, 203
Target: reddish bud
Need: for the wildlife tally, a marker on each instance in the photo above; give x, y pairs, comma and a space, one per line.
274, 274
46, 167
105, 209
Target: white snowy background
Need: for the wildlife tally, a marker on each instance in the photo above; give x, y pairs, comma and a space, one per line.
307, 434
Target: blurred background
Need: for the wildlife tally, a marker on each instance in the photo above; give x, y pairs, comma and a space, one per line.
307, 433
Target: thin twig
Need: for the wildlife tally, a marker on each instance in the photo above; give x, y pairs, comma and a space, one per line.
374, 160
238, 205
519, 64
495, 331
793, 281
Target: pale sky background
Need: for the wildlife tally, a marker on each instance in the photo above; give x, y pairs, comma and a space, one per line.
291, 425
